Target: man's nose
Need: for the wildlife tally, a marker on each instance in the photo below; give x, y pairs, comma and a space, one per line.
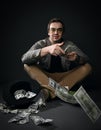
56, 31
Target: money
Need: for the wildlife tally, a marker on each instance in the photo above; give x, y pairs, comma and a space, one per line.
69, 48
88, 105
38, 120
52, 83
62, 92
23, 94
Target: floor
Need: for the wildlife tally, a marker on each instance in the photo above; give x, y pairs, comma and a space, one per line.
65, 116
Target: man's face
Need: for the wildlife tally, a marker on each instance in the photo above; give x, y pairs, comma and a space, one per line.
55, 31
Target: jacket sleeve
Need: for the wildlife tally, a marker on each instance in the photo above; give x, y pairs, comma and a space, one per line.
32, 56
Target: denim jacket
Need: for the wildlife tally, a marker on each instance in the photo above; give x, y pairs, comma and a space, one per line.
32, 56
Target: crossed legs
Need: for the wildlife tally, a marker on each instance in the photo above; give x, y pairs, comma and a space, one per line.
69, 78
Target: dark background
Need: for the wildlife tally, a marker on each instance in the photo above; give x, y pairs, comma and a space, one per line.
23, 23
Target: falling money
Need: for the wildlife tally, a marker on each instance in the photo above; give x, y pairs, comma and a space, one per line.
87, 104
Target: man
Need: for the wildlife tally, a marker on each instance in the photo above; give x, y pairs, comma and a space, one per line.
55, 58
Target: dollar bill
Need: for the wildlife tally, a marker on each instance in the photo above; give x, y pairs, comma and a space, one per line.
38, 120
69, 48
52, 83
88, 105
62, 92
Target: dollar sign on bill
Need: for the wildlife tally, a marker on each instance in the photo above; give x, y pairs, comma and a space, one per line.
88, 105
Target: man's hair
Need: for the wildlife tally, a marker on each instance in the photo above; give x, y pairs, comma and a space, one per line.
56, 20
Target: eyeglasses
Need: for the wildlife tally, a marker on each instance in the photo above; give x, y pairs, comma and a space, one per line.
59, 30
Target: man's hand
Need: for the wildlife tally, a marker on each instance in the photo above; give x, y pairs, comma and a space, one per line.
71, 56
56, 49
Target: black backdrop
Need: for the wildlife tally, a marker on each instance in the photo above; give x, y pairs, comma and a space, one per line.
23, 23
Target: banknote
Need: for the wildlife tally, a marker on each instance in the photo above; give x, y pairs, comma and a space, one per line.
87, 104
38, 120
69, 48
52, 83
62, 92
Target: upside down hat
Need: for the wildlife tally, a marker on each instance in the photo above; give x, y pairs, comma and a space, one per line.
22, 87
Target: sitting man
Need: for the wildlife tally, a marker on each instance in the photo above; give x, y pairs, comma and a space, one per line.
56, 58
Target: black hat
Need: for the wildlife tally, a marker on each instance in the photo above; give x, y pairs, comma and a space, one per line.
9, 97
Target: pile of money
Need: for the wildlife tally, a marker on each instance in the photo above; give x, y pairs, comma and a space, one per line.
24, 116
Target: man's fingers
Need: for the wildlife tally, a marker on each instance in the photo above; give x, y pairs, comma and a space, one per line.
60, 49
72, 53
60, 44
